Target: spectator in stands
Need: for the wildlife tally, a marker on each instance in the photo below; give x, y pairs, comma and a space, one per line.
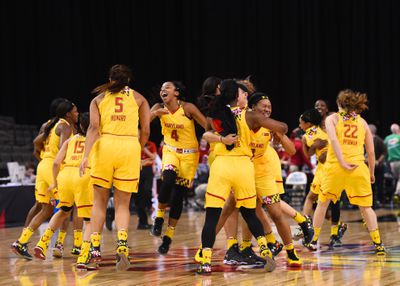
380, 154
392, 143
203, 150
143, 197
30, 176
298, 160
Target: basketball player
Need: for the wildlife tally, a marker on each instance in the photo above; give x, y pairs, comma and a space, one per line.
180, 156
115, 114
348, 134
56, 132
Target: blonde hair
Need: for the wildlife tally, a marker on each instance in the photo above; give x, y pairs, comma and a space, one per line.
352, 101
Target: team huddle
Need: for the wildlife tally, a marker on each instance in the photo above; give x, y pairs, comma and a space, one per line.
82, 156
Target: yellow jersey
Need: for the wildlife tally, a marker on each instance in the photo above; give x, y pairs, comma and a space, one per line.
351, 136
312, 134
75, 151
52, 143
242, 146
119, 113
259, 145
178, 130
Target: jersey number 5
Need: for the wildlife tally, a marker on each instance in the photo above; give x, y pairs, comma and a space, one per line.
119, 105
350, 131
174, 135
79, 147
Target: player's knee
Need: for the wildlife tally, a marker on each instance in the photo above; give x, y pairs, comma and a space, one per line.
87, 219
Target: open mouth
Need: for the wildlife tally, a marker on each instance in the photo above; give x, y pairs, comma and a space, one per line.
164, 94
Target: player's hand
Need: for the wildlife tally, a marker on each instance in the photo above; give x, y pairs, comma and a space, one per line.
372, 176
52, 187
160, 112
229, 139
83, 166
348, 166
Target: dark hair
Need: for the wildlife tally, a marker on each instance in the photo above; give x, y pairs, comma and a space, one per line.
83, 123
248, 84
221, 112
120, 76
352, 101
255, 98
54, 104
62, 109
325, 101
208, 93
179, 87
312, 116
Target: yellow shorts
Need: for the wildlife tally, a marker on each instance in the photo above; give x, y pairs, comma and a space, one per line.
231, 172
266, 186
73, 189
44, 180
356, 183
185, 165
116, 162
316, 183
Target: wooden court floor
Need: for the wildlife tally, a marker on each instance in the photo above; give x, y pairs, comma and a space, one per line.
352, 264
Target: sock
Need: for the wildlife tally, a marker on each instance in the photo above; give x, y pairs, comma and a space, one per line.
207, 253
25, 235
270, 237
61, 236
245, 243
317, 230
289, 246
334, 229
160, 213
95, 239
170, 231
375, 236
78, 237
299, 218
264, 250
85, 247
45, 239
231, 241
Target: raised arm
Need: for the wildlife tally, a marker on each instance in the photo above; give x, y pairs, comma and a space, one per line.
256, 120
287, 144
156, 111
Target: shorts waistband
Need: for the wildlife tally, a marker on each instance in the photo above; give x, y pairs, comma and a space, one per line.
181, 150
118, 135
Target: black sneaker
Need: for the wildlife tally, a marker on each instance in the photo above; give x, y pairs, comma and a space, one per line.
313, 246
143, 226
75, 250
335, 241
164, 247
21, 250
342, 227
157, 226
275, 247
234, 257
308, 230
380, 249
248, 251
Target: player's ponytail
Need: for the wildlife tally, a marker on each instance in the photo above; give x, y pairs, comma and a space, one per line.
119, 76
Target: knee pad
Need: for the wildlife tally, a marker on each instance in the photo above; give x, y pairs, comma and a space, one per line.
86, 218
167, 184
176, 202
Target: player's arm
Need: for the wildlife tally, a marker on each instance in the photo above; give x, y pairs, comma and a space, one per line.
156, 111
369, 148
287, 144
212, 137
38, 142
256, 120
195, 113
92, 133
64, 131
330, 124
58, 161
144, 118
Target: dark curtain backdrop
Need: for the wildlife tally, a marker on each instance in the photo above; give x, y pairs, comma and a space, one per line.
296, 51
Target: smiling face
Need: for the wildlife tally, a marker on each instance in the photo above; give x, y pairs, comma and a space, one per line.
168, 92
73, 114
263, 106
322, 108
